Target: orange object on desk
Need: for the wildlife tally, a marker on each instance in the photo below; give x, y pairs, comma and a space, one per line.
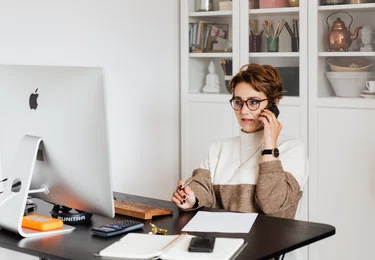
40, 222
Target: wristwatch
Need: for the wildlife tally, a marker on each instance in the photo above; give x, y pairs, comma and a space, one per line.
196, 204
275, 152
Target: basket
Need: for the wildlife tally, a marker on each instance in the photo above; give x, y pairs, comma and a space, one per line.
350, 65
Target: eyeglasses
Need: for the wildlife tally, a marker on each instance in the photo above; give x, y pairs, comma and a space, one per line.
252, 103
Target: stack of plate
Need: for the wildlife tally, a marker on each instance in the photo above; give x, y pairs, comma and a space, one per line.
367, 94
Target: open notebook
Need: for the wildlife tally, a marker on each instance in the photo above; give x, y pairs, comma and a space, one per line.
145, 246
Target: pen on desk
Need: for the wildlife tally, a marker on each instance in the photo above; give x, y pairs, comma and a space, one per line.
187, 182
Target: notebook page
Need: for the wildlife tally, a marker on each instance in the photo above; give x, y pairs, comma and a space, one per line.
224, 222
138, 246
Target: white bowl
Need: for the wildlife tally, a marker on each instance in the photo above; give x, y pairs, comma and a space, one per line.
349, 84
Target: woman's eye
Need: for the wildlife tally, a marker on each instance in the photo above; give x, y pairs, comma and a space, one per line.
238, 102
253, 102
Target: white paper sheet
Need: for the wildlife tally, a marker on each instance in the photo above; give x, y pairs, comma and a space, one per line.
225, 222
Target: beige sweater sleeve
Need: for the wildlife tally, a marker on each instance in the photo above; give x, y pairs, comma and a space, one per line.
202, 187
277, 192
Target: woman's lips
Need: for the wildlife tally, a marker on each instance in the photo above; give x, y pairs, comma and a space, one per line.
247, 120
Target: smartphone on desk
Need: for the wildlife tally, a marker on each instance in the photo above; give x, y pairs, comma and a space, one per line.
202, 244
273, 108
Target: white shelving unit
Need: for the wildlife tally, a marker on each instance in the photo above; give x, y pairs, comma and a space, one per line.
342, 168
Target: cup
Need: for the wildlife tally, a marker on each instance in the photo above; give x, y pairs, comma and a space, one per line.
255, 43
272, 44
370, 85
295, 44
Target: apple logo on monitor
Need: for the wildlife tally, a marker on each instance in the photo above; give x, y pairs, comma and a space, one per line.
33, 100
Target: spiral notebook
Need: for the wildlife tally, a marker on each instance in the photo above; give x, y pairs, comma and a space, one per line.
146, 246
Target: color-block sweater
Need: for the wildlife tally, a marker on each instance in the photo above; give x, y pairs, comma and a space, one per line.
234, 178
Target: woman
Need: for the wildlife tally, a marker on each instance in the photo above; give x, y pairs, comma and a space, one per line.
258, 171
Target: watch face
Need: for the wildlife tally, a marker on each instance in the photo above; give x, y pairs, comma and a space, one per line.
276, 152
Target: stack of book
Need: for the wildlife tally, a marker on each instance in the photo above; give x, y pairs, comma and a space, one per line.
207, 36
224, 6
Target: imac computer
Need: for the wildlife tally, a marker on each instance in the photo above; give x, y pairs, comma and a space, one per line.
53, 141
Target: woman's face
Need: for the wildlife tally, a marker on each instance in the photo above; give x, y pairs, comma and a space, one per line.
248, 119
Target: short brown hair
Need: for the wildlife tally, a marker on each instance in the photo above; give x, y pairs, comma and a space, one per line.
264, 78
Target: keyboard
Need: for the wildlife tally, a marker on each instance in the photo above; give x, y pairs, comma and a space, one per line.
138, 210
117, 228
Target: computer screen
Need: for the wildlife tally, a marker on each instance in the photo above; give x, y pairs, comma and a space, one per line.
66, 107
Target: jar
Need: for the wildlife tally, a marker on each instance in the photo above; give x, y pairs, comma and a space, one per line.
203, 5
294, 3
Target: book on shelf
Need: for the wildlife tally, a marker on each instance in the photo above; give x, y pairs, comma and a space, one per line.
146, 246
226, 65
205, 36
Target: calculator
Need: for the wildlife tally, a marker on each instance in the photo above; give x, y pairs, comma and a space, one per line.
117, 228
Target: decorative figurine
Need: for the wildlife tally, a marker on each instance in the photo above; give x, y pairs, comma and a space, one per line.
367, 37
212, 80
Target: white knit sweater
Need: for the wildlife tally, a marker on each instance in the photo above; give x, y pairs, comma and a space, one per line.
227, 155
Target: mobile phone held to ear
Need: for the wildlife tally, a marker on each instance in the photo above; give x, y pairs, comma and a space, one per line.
202, 244
273, 108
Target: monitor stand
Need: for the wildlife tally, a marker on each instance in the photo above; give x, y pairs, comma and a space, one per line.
13, 204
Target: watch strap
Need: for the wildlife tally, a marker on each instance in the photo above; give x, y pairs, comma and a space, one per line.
196, 204
267, 151
274, 152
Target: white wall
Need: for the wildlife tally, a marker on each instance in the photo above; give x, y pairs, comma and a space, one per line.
136, 42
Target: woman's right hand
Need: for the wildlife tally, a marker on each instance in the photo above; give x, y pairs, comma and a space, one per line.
185, 198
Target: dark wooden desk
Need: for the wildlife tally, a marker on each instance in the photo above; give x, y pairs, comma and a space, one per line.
269, 237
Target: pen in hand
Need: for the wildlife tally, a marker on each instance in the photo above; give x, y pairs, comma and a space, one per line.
187, 182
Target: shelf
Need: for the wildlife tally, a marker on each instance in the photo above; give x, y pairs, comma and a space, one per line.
276, 11
347, 7
224, 98
347, 54
211, 55
274, 54
212, 14
341, 102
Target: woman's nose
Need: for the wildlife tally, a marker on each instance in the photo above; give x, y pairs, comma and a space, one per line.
245, 110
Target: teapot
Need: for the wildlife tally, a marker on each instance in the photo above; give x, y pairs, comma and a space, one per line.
339, 37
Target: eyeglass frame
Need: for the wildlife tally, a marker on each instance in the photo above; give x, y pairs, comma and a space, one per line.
245, 102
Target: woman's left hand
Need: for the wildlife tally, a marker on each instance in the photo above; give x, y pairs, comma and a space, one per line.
272, 128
